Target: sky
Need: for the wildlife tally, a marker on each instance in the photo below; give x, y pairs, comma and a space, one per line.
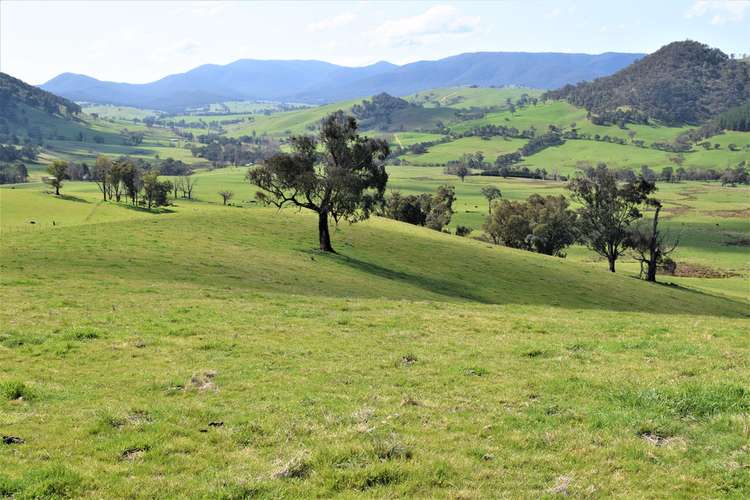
141, 41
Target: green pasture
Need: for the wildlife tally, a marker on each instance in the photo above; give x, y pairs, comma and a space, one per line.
212, 352
470, 97
440, 154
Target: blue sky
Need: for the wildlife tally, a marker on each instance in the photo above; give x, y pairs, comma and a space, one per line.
144, 41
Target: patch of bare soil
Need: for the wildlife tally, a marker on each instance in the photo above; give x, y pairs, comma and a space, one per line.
561, 486
203, 381
742, 214
132, 454
691, 193
657, 440
680, 209
685, 270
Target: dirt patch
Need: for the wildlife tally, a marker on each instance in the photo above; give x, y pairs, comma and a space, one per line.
741, 214
203, 381
698, 271
680, 209
561, 487
690, 193
132, 454
658, 440
297, 467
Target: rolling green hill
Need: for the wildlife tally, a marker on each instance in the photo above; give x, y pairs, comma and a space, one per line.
470, 97
215, 354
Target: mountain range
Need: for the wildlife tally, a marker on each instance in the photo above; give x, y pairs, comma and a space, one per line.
318, 82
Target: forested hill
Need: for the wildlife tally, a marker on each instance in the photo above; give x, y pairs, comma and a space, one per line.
14, 92
683, 82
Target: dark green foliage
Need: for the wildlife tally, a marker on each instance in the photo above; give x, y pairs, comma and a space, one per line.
542, 225
234, 151
14, 389
736, 118
608, 209
13, 173
13, 91
346, 181
538, 143
58, 172
155, 192
174, 167
683, 82
734, 176
433, 211
377, 112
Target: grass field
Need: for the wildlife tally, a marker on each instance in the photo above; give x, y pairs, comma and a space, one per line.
470, 97
441, 154
242, 363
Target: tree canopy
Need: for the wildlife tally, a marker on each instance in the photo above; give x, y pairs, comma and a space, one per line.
345, 181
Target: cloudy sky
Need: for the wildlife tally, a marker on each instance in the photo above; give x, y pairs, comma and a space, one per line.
142, 41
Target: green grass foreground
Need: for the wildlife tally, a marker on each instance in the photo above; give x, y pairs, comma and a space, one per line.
211, 353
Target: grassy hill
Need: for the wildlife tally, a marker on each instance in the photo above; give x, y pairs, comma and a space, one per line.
215, 354
470, 97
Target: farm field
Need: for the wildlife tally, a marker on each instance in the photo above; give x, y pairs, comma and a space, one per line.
241, 362
465, 251
240, 357
441, 154
470, 97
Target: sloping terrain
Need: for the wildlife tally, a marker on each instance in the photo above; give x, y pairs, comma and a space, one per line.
210, 352
683, 82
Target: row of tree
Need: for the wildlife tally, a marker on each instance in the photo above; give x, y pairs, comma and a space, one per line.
606, 222
125, 179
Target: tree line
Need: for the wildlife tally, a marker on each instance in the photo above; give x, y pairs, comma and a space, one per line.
126, 179
340, 175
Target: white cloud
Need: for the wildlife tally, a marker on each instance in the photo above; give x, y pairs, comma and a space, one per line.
721, 11
186, 47
332, 23
436, 22
183, 49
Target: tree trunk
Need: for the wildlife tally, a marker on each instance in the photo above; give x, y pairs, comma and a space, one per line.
323, 233
611, 264
654, 248
651, 272
57, 190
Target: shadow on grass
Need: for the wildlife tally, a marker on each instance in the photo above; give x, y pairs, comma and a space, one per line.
68, 197
440, 287
701, 293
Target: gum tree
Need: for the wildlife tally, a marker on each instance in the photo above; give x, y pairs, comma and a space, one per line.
608, 209
339, 175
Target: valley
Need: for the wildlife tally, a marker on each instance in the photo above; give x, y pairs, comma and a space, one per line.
166, 333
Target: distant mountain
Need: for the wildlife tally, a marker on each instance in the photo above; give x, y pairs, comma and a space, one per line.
683, 82
319, 82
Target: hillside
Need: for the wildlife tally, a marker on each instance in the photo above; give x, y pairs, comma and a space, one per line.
683, 82
390, 369
320, 82
24, 107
